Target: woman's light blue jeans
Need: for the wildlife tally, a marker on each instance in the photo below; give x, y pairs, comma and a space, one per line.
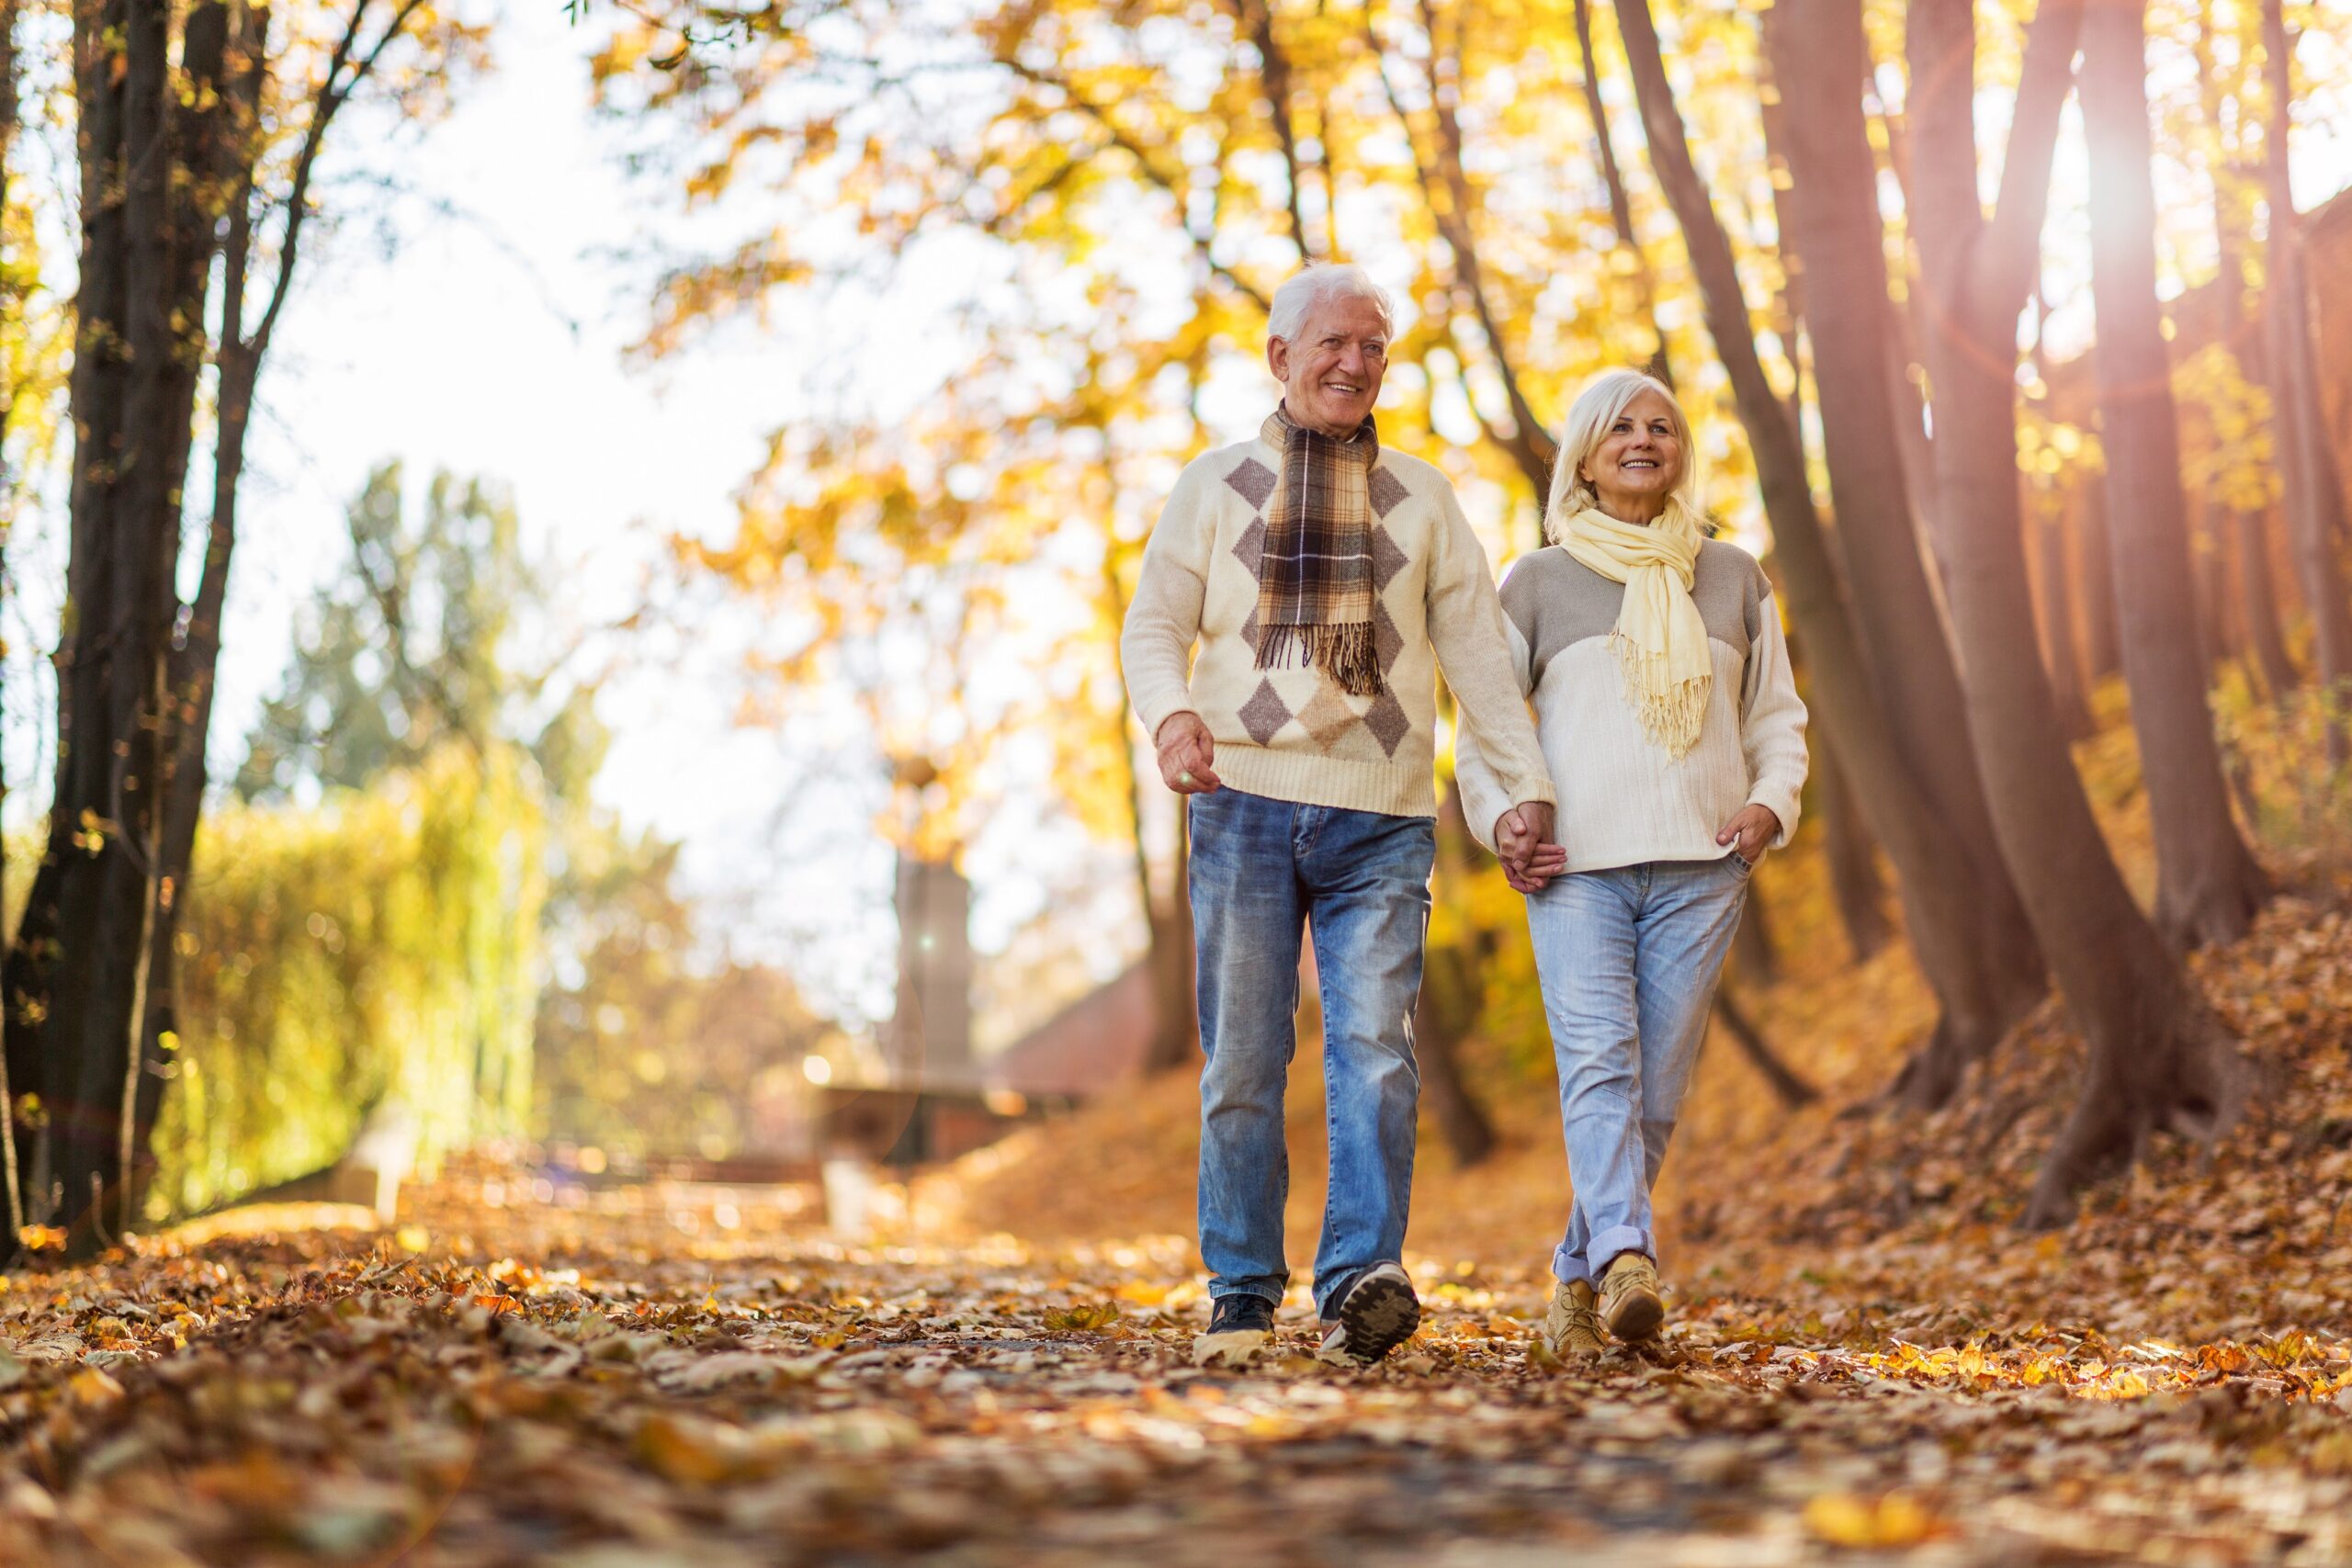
1360, 881
1628, 958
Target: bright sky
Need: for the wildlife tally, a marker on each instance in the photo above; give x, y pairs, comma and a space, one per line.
480, 322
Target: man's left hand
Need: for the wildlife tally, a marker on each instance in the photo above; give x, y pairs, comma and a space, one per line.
1750, 829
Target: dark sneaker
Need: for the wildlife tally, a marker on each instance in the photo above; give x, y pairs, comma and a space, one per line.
1237, 1331
1378, 1313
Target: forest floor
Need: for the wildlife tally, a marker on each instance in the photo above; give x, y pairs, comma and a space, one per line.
1866, 1361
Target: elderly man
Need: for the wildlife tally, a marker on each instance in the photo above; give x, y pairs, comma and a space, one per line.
1326, 581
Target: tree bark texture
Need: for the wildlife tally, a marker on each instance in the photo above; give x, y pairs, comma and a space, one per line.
2154, 1057
1821, 58
2055, 597
1620, 205
2094, 578
2208, 886
2316, 506
1944, 920
1855, 885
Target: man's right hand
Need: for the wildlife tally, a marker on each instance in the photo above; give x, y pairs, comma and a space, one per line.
1186, 754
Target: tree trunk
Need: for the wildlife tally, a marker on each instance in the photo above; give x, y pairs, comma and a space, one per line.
2095, 576
2258, 607
2208, 886
1787, 1087
2154, 1057
1855, 885
9, 1171
2316, 508
1945, 918
1448, 1007
1820, 55
1620, 205
2055, 596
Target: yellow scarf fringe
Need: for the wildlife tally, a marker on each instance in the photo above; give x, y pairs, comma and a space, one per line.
1660, 639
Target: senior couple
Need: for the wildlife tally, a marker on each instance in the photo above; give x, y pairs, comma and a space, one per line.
1325, 582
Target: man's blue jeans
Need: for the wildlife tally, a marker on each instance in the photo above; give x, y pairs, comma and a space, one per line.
1628, 958
1360, 881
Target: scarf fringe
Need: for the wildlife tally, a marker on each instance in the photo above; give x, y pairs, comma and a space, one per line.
1670, 713
1345, 652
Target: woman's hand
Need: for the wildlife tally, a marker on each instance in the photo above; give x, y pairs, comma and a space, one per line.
1750, 829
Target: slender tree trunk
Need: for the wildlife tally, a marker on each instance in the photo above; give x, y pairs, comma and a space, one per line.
2207, 885
2095, 575
1620, 205
1855, 885
1821, 58
2258, 597
9, 1171
1787, 1087
2316, 507
2154, 1056
1945, 917
2055, 598
1450, 1002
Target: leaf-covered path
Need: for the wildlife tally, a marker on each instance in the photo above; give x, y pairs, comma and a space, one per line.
329, 1398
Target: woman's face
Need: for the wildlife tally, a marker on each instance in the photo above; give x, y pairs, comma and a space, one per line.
1639, 459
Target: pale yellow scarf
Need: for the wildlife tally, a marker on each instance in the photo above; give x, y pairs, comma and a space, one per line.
1660, 639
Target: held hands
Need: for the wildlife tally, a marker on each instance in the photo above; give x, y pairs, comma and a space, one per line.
1186, 754
1523, 843
1750, 829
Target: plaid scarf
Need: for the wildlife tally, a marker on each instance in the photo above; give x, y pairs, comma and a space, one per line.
1315, 579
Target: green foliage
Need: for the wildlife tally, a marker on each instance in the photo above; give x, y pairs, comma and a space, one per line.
406, 651
383, 944
646, 1047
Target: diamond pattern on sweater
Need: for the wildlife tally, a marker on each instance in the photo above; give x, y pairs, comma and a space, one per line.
1256, 481
1329, 717
1386, 640
1250, 548
1263, 715
1387, 723
1385, 489
1250, 630
1387, 558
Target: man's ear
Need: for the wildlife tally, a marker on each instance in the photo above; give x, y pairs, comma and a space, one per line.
1278, 359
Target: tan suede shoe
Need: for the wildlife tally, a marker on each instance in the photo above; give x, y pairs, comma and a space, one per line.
1630, 1302
1572, 1328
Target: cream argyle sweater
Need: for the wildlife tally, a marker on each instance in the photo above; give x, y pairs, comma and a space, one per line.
1292, 733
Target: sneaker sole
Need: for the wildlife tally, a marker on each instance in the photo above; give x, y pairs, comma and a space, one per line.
1380, 1315
1636, 1317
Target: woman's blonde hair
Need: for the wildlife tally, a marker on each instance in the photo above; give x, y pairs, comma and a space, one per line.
1605, 397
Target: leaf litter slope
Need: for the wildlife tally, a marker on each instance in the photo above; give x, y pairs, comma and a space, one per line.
1864, 1358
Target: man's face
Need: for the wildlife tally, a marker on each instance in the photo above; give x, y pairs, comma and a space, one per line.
1331, 373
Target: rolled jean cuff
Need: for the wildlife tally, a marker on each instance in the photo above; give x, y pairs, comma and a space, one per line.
1568, 1269
1269, 1291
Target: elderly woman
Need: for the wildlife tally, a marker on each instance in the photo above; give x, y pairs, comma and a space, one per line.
1663, 701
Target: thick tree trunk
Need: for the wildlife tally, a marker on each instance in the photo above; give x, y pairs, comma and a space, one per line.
1855, 885
1821, 58
2316, 506
2154, 1056
1945, 914
10, 1173
2207, 885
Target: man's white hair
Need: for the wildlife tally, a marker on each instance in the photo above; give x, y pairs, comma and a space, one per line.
1295, 301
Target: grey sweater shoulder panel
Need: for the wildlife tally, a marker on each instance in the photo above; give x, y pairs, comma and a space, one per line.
1557, 602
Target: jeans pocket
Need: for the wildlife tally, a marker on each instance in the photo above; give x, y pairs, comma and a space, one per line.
1741, 866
